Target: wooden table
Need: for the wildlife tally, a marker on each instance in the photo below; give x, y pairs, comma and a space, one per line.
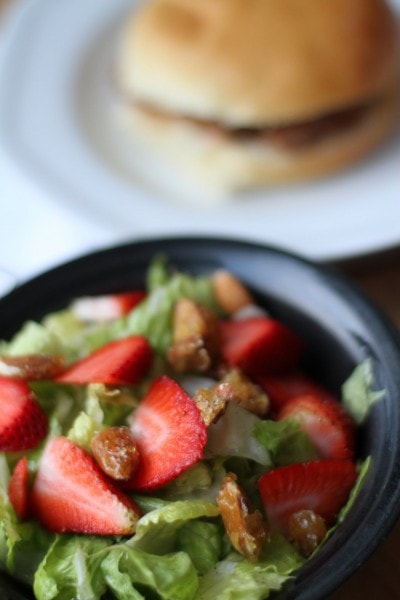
379, 579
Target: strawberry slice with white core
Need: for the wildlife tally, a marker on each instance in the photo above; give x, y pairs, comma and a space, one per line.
322, 486
107, 306
330, 428
18, 488
169, 432
260, 345
71, 494
23, 423
121, 362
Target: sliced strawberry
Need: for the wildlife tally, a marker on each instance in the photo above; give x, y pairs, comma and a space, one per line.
169, 432
280, 389
71, 494
322, 486
23, 423
260, 345
107, 306
18, 488
329, 427
121, 362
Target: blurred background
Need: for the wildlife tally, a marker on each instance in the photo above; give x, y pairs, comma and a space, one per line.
70, 183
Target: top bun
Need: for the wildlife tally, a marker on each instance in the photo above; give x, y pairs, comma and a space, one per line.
258, 62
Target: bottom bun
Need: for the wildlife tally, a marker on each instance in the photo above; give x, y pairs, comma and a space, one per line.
222, 164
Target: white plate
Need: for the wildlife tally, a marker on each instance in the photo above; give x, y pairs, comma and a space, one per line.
56, 129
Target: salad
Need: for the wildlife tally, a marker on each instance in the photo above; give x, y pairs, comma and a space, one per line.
166, 443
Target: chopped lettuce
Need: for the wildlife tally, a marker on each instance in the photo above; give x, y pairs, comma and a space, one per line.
285, 441
236, 579
72, 569
202, 541
136, 575
64, 333
358, 395
232, 435
22, 545
83, 429
363, 470
157, 530
153, 317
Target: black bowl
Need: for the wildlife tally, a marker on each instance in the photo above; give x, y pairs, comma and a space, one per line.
341, 328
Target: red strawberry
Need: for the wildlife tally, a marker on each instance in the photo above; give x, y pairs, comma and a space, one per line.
106, 307
121, 362
71, 494
322, 486
169, 432
329, 427
18, 488
260, 345
23, 423
280, 389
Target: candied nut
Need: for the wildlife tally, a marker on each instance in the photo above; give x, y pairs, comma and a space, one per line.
32, 367
244, 392
246, 528
195, 337
231, 294
115, 452
211, 402
306, 530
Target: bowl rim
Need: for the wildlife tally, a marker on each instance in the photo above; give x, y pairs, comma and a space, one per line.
386, 506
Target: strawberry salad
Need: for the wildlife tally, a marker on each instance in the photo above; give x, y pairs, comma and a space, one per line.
166, 443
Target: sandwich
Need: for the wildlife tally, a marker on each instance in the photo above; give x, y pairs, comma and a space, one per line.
248, 93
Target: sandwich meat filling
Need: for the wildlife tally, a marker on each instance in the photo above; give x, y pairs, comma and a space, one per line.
286, 137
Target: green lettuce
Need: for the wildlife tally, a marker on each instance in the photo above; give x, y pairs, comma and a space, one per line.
136, 575
202, 541
232, 435
285, 441
64, 333
236, 579
22, 545
358, 395
157, 530
72, 569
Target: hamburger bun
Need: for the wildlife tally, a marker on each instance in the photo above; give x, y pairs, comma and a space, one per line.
224, 88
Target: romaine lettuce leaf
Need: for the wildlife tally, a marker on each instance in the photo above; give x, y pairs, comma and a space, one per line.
238, 579
202, 541
153, 317
72, 569
135, 575
62, 333
232, 435
22, 545
358, 395
55, 335
285, 441
193, 483
156, 531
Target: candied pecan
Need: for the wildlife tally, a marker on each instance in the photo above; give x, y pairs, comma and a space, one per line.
245, 527
231, 294
115, 452
32, 367
195, 337
211, 402
244, 392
